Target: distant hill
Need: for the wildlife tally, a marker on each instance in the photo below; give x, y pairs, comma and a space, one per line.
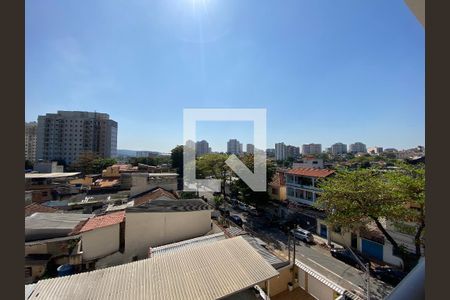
124, 152
132, 153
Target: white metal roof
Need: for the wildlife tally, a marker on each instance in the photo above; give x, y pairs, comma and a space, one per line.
320, 277
209, 271
50, 175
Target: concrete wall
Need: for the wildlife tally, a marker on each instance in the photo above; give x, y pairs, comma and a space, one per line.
144, 230
314, 287
100, 242
36, 249
319, 290
279, 283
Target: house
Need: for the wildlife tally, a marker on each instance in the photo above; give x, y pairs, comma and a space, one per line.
308, 162
101, 236
164, 221
221, 269
277, 187
138, 183
301, 184
153, 194
49, 243
49, 186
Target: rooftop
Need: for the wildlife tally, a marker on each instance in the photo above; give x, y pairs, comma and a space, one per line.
51, 225
154, 194
178, 205
311, 172
102, 221
209, 271
50, 175
35, 207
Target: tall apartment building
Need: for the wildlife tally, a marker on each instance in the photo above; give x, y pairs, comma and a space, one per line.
234, 147
338, 148
250, 149
270, 152
202, 148
311, 149
292, 151
280, 151
357, 147
68, 134
30, 141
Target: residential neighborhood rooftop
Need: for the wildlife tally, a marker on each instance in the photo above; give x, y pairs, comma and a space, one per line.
35, 207
102, 221
154, 194
178, 205
50, 175
310, 172
209, 271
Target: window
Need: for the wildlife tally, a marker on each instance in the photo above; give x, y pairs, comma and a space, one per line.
274, 191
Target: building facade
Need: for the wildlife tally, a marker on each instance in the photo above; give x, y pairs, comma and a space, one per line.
292, 151
301, 184
280, 151
201, 148
66, 135
357, 147
375, 150
338, 148
30, 141
311, 149
250, 149
234, 147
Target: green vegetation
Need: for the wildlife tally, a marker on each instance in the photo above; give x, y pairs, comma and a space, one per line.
89, 163
355, 198
176, 157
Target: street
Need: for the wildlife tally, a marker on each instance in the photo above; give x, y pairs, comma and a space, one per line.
314, 256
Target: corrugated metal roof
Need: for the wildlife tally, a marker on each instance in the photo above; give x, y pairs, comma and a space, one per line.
320, 277
210, 271
174, 247
177, 205
50, 175
259, 246
29, 290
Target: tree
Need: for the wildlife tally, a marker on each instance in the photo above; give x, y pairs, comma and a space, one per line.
176, 157
408, 183
213, 165
90, 163
355, 198
249, 196
218, 200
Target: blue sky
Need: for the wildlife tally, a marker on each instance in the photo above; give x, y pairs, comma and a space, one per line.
326, 71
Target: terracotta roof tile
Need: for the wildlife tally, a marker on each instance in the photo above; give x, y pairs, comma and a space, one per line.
35, 207
102, 221
153, 195
311, 172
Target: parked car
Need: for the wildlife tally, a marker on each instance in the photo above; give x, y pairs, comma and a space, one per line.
242, 206
347, 256
389, 275
236, 220
303, 235
225, 211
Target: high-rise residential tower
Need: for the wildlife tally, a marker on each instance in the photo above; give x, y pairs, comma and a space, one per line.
67, 135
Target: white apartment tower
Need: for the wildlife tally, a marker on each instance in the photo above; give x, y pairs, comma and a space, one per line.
338, 148
66, 135
280, 151
30, 141
311, 149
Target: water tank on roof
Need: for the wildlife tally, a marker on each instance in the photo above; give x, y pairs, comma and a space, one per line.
65, 270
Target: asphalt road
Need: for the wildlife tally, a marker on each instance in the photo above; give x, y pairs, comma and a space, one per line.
317, 258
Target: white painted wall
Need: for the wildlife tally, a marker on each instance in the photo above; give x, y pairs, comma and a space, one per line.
319, 290
150, 229
100, 242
